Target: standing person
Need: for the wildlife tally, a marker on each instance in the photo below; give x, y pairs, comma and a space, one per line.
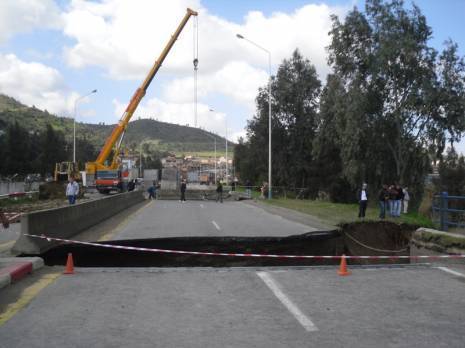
248, 188
383, 198
399, 199
362, 197
392, 200
219, 192
72, 190
183, 190
4, 220
406, 199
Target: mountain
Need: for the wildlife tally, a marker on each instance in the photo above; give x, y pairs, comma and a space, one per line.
164, 136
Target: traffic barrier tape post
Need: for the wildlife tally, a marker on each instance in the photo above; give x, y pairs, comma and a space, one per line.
169, 251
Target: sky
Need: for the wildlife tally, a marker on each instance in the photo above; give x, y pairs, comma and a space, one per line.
54, 52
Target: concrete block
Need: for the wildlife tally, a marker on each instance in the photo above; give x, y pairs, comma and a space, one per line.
65, 222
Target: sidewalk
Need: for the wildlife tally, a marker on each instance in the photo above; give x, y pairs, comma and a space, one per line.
14, 268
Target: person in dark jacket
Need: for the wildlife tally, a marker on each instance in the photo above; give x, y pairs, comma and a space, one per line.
4, 220
399, 198
392, 200
183, 190
219, 191
362, 197
151, 191
383, 198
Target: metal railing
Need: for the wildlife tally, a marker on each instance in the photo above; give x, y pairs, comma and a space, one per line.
448, 210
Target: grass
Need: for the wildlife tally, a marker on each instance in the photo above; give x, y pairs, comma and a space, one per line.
336, 213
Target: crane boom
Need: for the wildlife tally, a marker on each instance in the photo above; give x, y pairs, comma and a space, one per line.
116, 136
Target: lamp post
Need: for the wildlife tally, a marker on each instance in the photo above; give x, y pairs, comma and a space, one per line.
214, 138
239, 36
74, 122
226, 138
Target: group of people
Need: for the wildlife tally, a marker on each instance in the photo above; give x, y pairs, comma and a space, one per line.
219, 191
392, 199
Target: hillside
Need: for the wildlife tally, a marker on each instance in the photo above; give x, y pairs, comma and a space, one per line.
165, 136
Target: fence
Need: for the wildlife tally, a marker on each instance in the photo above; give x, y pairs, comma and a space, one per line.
448, 210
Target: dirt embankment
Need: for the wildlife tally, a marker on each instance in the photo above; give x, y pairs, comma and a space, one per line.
377, 238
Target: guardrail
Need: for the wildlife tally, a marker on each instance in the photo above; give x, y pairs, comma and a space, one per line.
444, 214
17, 194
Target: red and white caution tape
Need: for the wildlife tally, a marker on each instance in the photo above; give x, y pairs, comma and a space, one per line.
169, 251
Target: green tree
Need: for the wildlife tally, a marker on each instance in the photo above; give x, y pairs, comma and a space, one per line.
294, 95
398, 97
53, 150
17, 150
452, 173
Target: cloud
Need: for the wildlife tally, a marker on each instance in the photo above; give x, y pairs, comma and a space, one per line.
35, 84
125, 39
20, 16
236, 79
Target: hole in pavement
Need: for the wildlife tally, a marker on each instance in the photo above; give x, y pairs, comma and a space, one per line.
366, 238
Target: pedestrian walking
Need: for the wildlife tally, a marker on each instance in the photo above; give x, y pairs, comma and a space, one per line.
405, 200
72, 190
219, 191
383, 198
4, 220
151, 191
183, 190
362, 197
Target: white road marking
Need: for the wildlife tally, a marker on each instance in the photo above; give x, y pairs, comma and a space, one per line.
201, 205
216, 225
291, 307
448, 270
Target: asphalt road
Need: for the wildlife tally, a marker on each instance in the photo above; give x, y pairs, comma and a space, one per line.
406, 306
390, 307
205, 218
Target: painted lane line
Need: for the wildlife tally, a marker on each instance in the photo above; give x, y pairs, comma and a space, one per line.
448, 270
291, 307
27, 296
216, 225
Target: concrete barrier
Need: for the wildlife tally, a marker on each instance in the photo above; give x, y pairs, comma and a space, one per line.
68, 221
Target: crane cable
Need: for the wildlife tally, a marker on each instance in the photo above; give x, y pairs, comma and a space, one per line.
196, 63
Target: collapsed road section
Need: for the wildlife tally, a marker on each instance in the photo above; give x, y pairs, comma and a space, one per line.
378, 239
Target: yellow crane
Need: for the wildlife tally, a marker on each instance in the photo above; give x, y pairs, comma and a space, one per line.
113, 143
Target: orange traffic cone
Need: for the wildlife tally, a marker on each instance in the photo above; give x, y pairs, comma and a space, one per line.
343, 267
69, 265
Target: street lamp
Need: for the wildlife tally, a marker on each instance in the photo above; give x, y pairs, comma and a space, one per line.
74, 122
214, 138
226, 133
239, 36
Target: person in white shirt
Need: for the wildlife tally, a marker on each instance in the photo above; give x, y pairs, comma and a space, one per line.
72, 190
362, 197
406, 200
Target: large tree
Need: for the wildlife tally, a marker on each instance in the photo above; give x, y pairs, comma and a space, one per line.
393, 94
294, 93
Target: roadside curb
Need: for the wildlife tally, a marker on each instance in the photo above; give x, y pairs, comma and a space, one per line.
13, 269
